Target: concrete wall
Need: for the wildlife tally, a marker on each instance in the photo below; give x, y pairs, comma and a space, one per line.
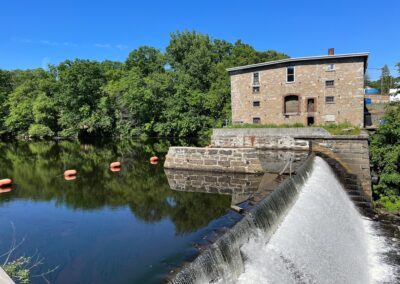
310, 77
241, 160
4, 278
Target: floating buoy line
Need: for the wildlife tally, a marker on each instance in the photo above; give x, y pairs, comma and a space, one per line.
6, 184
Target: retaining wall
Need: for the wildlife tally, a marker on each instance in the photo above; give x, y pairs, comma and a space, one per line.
240, 160
266, 138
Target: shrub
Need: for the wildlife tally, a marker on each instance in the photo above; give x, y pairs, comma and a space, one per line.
39, 131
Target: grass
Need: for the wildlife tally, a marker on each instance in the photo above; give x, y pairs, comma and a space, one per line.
334, 129
390, 204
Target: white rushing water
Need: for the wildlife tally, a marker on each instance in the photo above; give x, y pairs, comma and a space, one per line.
323, 239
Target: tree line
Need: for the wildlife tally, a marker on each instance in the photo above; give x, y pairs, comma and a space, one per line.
182, 92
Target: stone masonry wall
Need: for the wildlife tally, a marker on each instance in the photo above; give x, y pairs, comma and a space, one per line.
310, 77
266, 138
240, 160
353, 155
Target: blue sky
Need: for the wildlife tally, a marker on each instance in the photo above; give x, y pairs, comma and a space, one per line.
35, 33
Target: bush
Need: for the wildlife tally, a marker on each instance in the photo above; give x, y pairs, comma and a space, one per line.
39, 131
385, 157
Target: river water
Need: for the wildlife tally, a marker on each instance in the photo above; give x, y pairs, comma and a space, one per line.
105, 226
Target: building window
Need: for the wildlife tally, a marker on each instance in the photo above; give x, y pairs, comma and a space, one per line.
256, 90
291, 104
329, 83
256, 78
256, 120
290, 74
330, 67
256, 103
330, 100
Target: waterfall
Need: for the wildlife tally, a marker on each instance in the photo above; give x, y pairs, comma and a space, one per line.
223, 261
306, 231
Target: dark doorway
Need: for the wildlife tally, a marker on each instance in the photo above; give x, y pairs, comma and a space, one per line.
310, 120
310, 105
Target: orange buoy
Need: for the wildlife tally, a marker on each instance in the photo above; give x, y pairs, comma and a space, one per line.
70, 177
70, 173
115, 169
154, 159
5, 189
6, 181
115, 165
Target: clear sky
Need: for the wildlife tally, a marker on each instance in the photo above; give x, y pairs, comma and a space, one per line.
35, 33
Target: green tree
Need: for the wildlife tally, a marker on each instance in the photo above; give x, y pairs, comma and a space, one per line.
386, 80
385, 155
84, 107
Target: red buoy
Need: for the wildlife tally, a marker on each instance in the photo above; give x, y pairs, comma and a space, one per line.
6, 181
154, 162
154, 159
5, 189
73, 177
115, 169
115, 165
68, 173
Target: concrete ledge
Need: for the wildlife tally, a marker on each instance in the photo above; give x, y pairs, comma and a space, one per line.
4, 278
239, 160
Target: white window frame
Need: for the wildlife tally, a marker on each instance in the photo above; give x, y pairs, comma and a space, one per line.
294, 74
259, 79
328, 67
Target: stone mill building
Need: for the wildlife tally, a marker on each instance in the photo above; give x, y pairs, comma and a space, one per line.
308, 90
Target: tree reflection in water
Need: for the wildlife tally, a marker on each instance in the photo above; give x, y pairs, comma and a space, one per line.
37, 170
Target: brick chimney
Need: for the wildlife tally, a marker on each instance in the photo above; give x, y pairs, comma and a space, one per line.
331, 51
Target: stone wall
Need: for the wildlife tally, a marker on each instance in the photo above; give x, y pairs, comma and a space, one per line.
352, 154
310, 77
266, 138
241, 160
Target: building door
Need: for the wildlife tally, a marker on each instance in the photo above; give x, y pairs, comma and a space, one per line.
310, 120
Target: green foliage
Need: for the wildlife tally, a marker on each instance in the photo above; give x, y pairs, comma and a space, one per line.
39, 131
17, 269
389, 203
385, 156
183, 92
335, 129
341, 128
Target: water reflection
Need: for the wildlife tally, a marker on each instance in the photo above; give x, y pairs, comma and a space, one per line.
241, 187
104, 226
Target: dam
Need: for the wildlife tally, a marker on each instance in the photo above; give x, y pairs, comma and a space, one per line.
313, 226
306, 231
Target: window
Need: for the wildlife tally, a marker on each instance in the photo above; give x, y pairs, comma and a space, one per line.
256, 78
256, 103
256, 90
291, 104
329, 83
290, 74
310, 105
256, 120
330, 99
330, 67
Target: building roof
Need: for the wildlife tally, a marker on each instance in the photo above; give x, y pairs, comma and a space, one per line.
300, 59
